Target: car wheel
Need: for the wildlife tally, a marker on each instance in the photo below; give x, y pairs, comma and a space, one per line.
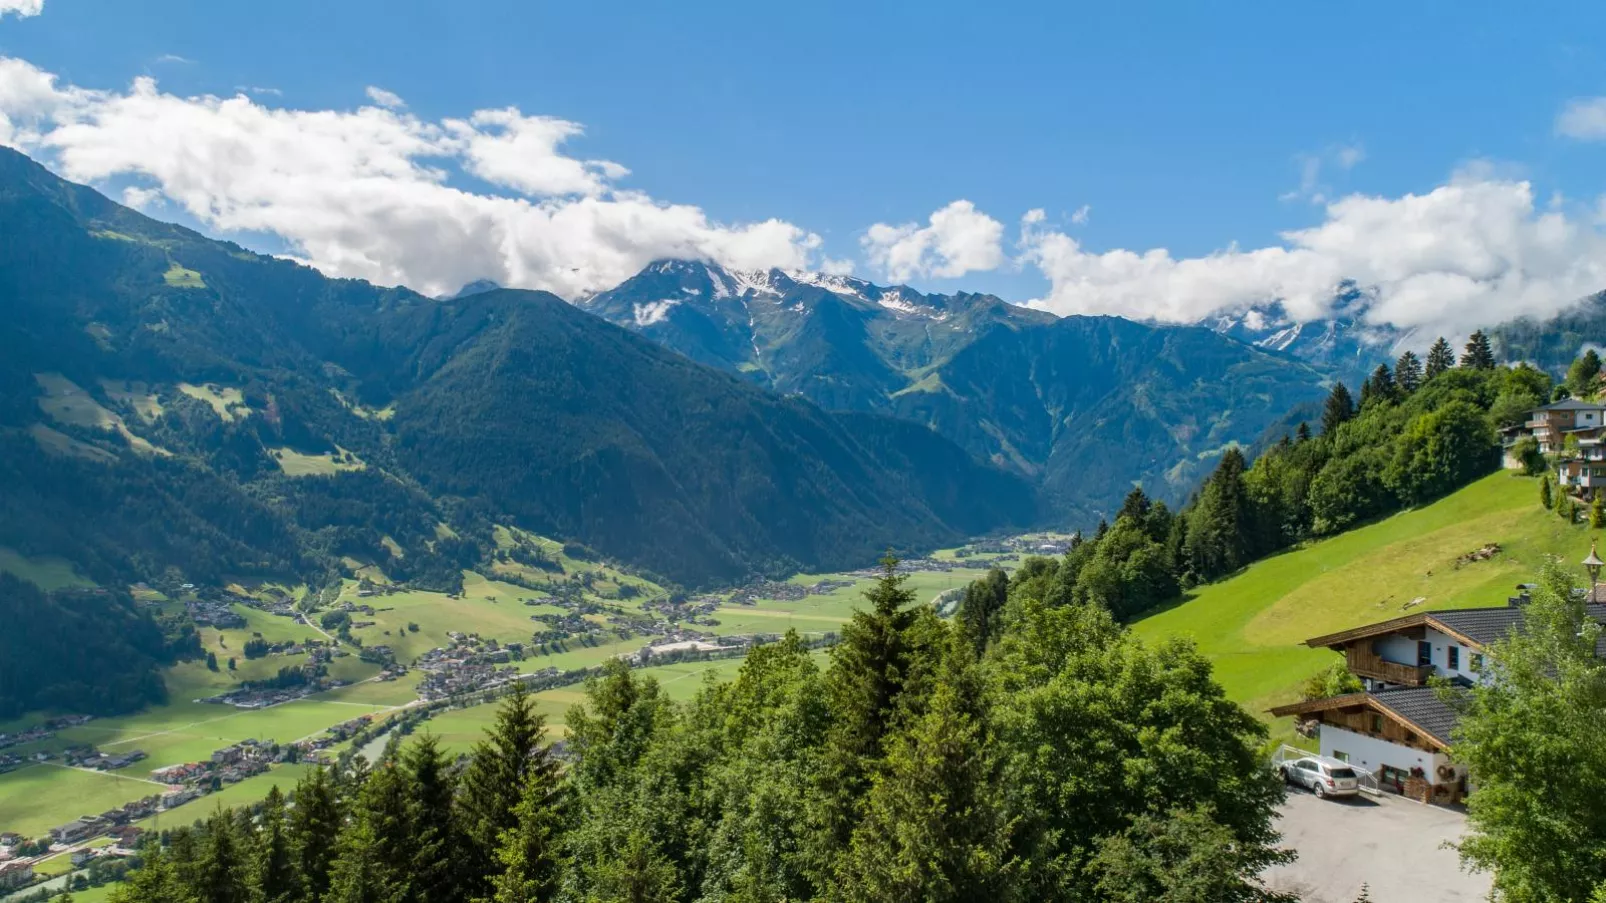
1287, 777
1321, 793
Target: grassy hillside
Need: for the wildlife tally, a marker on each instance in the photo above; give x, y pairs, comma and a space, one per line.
1252, 624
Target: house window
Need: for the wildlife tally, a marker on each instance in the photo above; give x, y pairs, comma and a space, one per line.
1424, 652
1377, 724
1341, 756
1453, 657
1475, 662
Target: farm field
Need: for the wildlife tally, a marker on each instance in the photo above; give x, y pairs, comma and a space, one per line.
1253, 624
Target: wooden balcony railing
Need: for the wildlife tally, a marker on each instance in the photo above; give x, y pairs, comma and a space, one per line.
1366, 664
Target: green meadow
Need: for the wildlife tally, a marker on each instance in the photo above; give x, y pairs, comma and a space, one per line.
1253, 624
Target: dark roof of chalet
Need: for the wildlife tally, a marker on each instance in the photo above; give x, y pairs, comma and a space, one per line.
1571, 404
1474, 626
1422, 707
1419, 708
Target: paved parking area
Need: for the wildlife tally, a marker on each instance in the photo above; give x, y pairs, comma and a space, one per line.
1395, 846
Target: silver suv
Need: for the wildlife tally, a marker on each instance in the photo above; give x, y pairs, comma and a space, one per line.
1322, 776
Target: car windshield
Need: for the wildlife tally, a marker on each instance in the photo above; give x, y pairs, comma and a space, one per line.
1342, 772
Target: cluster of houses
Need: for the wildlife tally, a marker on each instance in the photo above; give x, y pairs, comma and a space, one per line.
215, 613
1573, 434
1398, 728
469, 664
229, 765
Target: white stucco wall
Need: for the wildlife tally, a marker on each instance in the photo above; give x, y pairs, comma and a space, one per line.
1403, 650
1369, 753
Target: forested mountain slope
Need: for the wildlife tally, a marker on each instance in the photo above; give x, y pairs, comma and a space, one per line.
173, 401
1083, 406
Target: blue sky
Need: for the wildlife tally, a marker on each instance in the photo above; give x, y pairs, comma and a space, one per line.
1187, 127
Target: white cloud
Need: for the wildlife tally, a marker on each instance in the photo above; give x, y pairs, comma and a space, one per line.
369, 193
23, 8
1472, 252
1082, 214
1583, 118
1311, 188
958, 239
836, 266
166, 57
258, 91
1349, 155
387, 99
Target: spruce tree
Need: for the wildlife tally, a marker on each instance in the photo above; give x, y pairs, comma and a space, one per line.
529, 860
1597, 514
435, 871
1340, 407
868, 667
1408, 372
1136, 505
1220, 524
1440, 359
979, 610
934, 827
1545, 498
1478, 355
1382, 382
1302, 435
359, 873
273, 866
153, 882
220, 875
314, 827
511, 755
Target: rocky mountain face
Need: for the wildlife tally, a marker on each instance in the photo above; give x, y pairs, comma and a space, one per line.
1085, 407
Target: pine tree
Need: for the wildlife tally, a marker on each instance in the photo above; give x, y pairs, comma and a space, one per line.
273, 868
1597, 514
1478, 355
314, 827
1408, 372
220, 876
868, 666
1339, 408
978, 612
1220, 524
359, 873
1440, 359
1381, 385
1302, 435
153, 882
934, 828
528, 859
435, 872
1545, 498
511, 755
1135, 506
1103, 528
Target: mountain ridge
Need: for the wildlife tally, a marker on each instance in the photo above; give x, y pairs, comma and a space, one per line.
147, 360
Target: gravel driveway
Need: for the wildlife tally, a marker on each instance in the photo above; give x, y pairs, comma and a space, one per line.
1391, 844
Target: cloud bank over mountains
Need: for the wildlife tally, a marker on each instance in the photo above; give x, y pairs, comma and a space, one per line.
379, 193
368, 192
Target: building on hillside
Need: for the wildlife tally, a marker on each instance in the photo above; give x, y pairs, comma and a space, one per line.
1582, 470
1553, 423
1398, 728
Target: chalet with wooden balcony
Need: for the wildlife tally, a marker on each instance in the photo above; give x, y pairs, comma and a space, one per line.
1399, 728
1551, 424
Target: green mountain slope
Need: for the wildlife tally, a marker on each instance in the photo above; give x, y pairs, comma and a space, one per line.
170, 401
1083, 406
1252, 625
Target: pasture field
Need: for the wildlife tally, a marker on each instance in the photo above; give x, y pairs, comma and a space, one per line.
297, 464
47, 572
228, 402
1253, 624
179, 277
